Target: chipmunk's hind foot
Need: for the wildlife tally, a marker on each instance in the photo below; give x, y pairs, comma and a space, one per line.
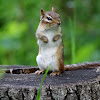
55, 73
39, 72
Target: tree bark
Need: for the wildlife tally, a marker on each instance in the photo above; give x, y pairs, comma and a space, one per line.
83, 84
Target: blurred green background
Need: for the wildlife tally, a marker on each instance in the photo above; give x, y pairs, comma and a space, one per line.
19, 20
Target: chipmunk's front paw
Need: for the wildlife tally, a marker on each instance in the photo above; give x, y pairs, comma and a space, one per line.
56, 38
44, 39
39, 72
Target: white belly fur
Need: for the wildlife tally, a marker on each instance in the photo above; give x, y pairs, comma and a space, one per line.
48, 55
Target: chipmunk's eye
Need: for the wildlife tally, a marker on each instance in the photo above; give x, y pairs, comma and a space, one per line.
49, 18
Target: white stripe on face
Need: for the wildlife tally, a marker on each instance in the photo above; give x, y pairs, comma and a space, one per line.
48, 18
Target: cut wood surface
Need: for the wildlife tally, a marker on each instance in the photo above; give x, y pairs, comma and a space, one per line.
83, 84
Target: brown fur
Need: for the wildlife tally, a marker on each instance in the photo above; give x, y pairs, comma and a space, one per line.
54, 15
60, 57
55, 18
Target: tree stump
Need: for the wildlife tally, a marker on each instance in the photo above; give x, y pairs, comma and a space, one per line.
20, 84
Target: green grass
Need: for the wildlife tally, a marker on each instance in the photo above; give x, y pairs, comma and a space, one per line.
72, 26
39, 91
1, 73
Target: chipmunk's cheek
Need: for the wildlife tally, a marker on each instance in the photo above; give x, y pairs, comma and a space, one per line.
44, 22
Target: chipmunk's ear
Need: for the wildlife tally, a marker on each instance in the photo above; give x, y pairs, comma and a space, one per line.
53, 10
42, 12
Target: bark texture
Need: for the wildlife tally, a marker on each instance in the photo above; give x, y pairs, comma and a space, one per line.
83, 84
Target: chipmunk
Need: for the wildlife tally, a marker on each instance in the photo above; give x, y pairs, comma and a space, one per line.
50, 43
49, 39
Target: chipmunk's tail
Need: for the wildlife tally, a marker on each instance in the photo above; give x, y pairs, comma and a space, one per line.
82, 66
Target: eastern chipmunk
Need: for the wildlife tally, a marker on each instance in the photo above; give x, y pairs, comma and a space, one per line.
50, 43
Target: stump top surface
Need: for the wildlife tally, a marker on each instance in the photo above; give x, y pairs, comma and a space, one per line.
67, 77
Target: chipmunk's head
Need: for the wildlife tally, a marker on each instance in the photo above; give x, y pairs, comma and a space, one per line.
50, 18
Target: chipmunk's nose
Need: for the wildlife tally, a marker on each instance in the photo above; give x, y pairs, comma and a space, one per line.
58, 23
